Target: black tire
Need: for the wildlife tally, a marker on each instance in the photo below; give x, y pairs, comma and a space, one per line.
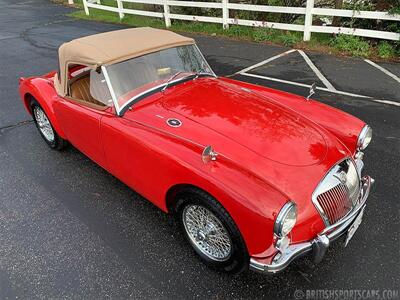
238, 260
57, 142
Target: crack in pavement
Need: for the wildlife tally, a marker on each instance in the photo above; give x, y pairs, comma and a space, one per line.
25, 35
2, 38
18, 124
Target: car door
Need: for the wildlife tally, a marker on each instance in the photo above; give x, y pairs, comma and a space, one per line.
80, 115
132, 159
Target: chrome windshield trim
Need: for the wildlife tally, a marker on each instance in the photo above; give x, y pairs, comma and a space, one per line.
202, 56
120, 110
127, 103
156, 88
110, 88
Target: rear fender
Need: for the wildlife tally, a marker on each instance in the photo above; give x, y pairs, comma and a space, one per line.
42, 90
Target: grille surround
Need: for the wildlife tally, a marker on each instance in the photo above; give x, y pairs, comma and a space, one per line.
331, 197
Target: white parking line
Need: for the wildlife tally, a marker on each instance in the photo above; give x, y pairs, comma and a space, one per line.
321, 88
316, 71
383, 70
265, 61
303, 85
387, 102
329, 87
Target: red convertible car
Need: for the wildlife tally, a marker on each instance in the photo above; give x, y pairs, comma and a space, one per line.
257, 177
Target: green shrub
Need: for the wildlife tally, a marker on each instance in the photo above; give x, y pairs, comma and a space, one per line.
239, 31
289, 39
386, 50
352, 44
263, 34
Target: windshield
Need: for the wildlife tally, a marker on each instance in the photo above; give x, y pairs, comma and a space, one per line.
132, 78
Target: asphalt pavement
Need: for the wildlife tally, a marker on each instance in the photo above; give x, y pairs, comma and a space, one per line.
68, 229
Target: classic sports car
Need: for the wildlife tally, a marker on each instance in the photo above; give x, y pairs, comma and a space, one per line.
257, 177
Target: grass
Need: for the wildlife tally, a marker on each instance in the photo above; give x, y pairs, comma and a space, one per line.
386, 50
339, 44
351, 44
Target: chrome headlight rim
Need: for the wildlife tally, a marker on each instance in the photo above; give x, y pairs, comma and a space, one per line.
282, 217
353, 180
364, 138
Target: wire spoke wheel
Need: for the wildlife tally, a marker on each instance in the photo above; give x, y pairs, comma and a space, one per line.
206, 232
43, 124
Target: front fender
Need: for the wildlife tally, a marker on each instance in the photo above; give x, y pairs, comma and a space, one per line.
151, 162
252, 203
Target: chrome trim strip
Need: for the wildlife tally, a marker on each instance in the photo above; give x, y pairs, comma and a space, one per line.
320, 243
110, 88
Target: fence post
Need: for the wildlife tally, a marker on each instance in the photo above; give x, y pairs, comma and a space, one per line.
225, 14
120, 8
85, 7
166, 14
308, 20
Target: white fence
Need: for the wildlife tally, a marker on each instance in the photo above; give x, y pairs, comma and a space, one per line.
309, 11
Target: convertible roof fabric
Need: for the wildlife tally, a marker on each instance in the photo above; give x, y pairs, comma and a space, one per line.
113, 47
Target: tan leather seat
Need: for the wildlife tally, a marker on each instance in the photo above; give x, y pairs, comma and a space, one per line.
80, 89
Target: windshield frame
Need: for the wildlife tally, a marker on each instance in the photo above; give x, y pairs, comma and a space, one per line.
120, 110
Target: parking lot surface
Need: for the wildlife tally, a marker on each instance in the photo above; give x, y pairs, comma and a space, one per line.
68, 229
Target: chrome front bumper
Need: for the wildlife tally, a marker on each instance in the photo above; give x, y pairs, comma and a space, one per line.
318, 245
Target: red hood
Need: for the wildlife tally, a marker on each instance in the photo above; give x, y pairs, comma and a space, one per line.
270, 130
269, 140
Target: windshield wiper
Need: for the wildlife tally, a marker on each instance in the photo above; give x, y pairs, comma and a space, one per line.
203, 73
194, 74
169, 80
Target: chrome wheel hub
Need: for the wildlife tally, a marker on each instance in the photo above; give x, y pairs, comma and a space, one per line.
43, 124
206, 232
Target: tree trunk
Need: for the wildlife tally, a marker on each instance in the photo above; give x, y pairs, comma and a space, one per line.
336, 20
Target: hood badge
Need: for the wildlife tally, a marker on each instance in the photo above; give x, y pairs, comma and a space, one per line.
174, 122
209, 154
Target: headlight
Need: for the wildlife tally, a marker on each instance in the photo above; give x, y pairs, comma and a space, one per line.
286, 219
364, 138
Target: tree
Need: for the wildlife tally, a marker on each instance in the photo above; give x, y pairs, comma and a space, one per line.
336, 20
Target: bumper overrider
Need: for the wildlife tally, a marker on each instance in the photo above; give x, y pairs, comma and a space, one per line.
321, 242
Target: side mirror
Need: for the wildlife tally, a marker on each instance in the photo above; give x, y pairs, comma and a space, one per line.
312, 90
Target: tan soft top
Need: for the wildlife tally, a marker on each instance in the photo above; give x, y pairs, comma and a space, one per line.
113, 47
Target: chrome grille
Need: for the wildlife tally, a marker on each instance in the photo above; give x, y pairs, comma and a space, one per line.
335, 202
332, 197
